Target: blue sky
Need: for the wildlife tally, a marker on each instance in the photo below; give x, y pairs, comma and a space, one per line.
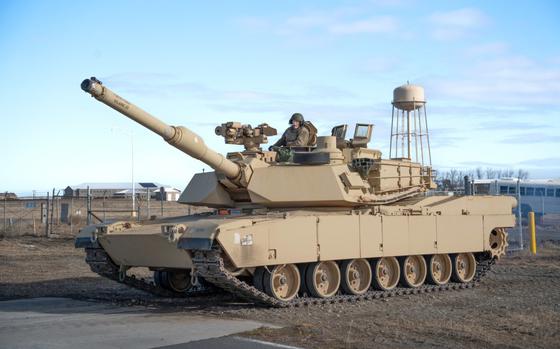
491, 70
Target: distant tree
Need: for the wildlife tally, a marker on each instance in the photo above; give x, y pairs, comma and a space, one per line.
453, 179
479, 173
522, 174
507, 173
491, 173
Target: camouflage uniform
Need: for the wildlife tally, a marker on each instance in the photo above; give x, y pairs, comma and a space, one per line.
293, 137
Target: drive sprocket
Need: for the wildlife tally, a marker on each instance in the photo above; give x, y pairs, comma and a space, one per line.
498, 242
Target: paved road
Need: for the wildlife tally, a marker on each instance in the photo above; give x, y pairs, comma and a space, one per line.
64, 323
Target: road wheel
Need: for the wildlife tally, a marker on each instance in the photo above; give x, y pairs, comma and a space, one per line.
413, 271
356, 276
464, 267
439, 269
282, 282
387, 271
322, 279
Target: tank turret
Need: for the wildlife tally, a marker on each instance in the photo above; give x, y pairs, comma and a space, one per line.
335, 172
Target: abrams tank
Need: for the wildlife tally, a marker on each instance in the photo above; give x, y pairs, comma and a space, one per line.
336, 222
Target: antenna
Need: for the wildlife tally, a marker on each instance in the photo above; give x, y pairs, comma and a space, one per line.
409, 126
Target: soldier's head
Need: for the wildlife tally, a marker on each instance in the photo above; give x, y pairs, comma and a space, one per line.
296, 120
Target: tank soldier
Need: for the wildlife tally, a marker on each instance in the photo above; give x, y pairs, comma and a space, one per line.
296, 135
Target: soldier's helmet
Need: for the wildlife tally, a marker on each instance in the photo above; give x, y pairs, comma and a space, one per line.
297, 117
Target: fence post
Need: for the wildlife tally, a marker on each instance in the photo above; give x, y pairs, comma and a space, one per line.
161, 194
71, 214
50, 230
148, 203
47, 218
5, 221
88, 206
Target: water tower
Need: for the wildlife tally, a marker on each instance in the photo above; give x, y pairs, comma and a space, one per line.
409, 125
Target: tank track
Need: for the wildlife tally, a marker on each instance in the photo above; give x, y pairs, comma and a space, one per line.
100, 263
210, 265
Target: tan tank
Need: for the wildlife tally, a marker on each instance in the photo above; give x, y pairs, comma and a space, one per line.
337, 223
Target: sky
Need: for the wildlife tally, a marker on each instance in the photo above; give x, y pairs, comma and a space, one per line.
490, 69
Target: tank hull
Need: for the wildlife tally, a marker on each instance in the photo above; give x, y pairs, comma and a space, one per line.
433, 225
420, 226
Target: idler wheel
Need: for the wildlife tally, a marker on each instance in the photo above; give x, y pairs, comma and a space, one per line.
322, 279
282, 282
439, 269
498, 242
356, 276
413, 271
387, 271
464, 267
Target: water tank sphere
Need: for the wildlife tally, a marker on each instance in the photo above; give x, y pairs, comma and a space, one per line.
408, 97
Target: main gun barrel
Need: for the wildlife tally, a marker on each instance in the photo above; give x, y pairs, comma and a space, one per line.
178, 136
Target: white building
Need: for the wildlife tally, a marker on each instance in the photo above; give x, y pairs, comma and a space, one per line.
538, 195
141, 190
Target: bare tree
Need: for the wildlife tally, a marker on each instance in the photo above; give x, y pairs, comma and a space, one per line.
507, 173
522, 174
479, 173
491, 173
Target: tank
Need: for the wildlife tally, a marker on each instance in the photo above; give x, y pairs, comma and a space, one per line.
336, 222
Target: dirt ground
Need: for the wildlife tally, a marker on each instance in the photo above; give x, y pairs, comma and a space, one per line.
517, 306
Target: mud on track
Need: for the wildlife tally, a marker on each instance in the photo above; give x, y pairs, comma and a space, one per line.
517, 305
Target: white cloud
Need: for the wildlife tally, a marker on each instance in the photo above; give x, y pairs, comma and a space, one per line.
384, 24
492, 48
513, 80
338, 21
451, 25
253, 23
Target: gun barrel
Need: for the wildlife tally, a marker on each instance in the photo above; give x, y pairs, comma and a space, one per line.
180, 137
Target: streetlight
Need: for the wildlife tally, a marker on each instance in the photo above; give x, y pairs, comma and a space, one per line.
131, 134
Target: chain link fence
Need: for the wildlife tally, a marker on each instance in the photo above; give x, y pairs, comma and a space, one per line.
49, 215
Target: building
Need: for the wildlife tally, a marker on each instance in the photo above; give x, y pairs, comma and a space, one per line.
124, 190
8, 196
539, 195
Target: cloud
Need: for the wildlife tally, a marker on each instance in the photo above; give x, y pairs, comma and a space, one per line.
451, 25
385, 24
550, 162
490, 49
531, 138
319, 24
510, 80
252, 23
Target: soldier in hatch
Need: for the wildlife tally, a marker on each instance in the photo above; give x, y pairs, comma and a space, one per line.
296, 135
